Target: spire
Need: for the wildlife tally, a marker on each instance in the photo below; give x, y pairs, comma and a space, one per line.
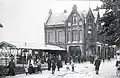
50, 11
98, 17
74, 7
89, 4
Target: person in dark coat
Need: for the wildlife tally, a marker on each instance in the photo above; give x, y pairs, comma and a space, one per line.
30, 69
79, 58
49, 63
66, 60
97, 65
108, 58
59, 64
11, 66
92, 59
53, 67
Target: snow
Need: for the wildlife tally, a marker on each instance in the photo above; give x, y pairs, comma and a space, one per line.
82, 70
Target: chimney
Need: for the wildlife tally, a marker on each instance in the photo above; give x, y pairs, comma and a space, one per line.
65, 11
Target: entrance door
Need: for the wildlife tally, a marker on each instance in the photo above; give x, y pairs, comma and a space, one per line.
75, 50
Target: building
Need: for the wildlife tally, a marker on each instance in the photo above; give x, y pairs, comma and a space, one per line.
76, 31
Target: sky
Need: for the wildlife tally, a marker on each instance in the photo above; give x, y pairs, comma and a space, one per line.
23, 20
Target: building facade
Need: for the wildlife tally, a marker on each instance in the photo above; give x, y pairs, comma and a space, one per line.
76, 31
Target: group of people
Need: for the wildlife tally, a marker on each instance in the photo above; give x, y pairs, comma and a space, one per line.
33, 66
75, 59
54, 61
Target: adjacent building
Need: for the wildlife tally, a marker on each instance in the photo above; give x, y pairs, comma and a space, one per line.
76, 31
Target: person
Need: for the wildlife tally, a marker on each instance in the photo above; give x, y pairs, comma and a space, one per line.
109, 58
67, 67
31, 67
49, 63
53, 67
26, 70
58, 64
72, 64
118, 59
66, 59
11, 66
97, 64
79, 58
39, 66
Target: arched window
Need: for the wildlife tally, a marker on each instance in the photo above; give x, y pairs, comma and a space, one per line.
74, 19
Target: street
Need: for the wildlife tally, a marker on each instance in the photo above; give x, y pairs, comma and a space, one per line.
82, 70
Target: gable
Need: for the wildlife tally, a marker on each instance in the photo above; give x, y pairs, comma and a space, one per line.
90, 14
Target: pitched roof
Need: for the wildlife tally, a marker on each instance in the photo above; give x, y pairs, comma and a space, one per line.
58, 18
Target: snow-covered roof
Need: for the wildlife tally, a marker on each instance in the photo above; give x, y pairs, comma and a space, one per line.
31, 46
58, 18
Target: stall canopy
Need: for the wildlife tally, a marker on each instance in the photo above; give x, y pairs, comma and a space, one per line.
30, 46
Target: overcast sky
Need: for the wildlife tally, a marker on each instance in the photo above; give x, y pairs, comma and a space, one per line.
23, 20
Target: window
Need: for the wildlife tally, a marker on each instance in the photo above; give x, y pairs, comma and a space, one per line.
60, 36
90, 20
69, 24
80, 22
74, 35
49, 37
69, 37
74, 19
89, 32
90, 27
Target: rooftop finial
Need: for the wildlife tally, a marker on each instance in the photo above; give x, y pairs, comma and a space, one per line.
65, 11
74, 7
50, 11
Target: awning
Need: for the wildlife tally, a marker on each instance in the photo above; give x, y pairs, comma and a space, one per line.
31, 46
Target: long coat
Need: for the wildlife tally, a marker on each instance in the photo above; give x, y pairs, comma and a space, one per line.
97, 64
53, 65
11, 67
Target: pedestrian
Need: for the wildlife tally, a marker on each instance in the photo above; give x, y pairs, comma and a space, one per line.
97, 65
109, 58
79, 58
67, 67
53, 67
26, 70
66, 59
73, 65
59, 64
39, 66
49, 63
11, 66
92, 59
30, 69
118, 59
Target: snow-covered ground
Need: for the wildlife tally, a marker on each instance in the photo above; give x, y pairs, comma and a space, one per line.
82, 70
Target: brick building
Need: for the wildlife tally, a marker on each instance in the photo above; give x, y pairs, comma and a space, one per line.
76, 31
